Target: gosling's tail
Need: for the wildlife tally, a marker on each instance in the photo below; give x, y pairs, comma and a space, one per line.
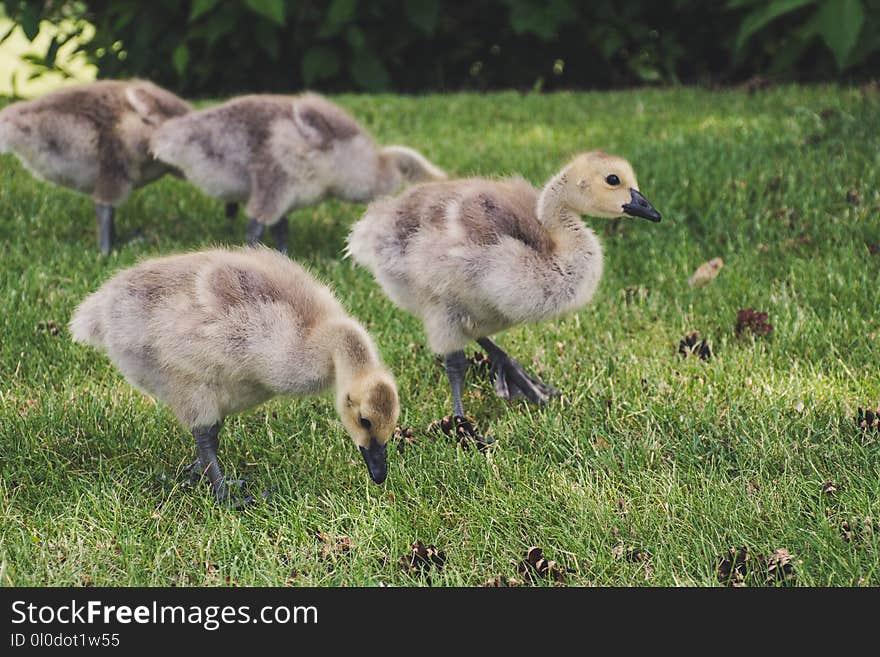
365, 238
164, 141
87, 324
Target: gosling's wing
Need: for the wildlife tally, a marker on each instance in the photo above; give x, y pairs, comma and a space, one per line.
443, 220
153, 104
490, 210
219, 138
320, 122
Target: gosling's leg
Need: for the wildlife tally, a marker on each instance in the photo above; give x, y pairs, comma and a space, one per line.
511, 380
279, 231
255, 231
231, 210
456, 366
206, 464
104, 215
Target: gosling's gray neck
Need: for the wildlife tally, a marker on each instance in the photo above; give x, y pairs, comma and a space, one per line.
553, 210
576, 247
352, 350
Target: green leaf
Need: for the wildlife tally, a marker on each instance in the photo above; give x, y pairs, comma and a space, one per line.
271, 9
318, 63
765, 15
423, 14
369, 72
611, 42
341, 11
8, 32
737, 4
355, 37
869, 41
785, 58
266, 36
180, 59
339, 14
52, 52
543, 19
30, 20
215, 27
200, 8
840, 22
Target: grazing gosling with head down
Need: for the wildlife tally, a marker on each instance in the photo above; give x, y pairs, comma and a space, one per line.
92, 138
473, 257
216, 332
280, 153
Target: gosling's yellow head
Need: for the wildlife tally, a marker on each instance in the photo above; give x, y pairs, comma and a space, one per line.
603, 185
368, 407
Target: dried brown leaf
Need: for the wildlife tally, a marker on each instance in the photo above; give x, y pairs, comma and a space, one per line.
706, 273
334, 546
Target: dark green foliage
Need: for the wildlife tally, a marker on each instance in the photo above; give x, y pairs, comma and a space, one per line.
825, 36
212, 47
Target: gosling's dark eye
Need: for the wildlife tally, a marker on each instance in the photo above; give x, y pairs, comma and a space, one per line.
366, 424
612, 180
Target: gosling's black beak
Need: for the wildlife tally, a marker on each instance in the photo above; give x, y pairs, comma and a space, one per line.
376, 458
639, 206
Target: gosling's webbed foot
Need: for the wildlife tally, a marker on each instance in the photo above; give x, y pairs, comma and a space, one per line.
242, 503
241, 500
196, 473
248, 500
193, 473
465, 432
513, 382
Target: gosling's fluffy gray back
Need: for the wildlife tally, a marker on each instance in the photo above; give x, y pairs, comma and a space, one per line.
214, 332
92, 137
274, 152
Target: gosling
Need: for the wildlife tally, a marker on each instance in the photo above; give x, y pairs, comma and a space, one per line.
280, 153
473, 257
216, 332
92, 138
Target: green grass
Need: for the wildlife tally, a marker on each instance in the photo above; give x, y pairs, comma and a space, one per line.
678, 459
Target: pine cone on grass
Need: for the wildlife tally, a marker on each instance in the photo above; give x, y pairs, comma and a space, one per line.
422, 559
691, 345
333, 547
480, 364
403, 437
535, 566
48, 327
501, 582
462, 429
740, 567
780, 567
868, 420
753, 321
